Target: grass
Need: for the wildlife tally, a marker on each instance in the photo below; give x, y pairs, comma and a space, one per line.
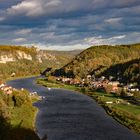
133, 109
23, 116
18, 120
53, 84
127, 114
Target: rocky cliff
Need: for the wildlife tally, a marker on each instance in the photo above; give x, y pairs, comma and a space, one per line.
30, 61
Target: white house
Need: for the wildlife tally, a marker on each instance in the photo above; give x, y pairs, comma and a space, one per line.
2, 85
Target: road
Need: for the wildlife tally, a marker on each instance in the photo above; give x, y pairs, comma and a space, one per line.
69, 115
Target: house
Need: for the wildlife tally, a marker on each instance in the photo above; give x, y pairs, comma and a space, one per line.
7, 89
105, 83
33, 93
114, 83
133, 89
109, 102
89, 77
114, 89
75, 82
1, 85
59, 79
130, 85
128, 94
66, 80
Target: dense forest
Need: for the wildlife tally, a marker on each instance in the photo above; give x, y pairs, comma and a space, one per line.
25, 61
97, 59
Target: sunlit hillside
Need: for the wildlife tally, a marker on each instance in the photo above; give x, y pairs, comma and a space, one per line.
30, 61
97, 59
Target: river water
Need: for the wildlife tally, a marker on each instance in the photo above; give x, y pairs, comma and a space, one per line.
68, 115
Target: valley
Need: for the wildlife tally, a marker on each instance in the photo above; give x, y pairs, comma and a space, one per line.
108, 75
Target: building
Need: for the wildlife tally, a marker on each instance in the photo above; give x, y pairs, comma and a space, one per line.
1, 85
7, 90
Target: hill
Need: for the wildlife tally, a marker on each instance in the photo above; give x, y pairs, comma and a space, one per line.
125, 72
97, 59
29, 60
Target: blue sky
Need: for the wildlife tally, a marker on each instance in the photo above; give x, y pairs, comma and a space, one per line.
69, 24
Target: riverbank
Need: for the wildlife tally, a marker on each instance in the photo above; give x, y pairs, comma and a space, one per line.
17, 116
120, 109
20, 77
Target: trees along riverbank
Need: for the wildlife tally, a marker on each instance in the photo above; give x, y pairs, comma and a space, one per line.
17, 116
119, 108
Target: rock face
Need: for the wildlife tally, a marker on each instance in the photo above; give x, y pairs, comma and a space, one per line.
32, 59
23, 55
43, 55
6, 58
15, 53
18, 55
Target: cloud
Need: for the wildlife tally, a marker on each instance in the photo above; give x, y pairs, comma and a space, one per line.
113, 20
19, 40
66, 24
53, 3
82, 43
23, 31
34, 8
27, 7
2, 18
99, 40
119, 37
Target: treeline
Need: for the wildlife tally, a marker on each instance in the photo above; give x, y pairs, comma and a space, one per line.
97, 59
30, 50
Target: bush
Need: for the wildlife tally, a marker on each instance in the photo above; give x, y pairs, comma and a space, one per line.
19, 98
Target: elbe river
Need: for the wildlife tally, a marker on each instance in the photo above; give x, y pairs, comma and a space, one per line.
69, 115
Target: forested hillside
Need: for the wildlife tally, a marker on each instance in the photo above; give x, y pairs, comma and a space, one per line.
30, 61
125, 72
97, 59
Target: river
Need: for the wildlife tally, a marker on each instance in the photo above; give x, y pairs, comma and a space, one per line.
69, 115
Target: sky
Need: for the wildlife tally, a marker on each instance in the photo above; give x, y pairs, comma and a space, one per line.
69, 24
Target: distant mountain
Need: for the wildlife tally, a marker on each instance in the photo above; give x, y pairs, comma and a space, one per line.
27, 61
97, 59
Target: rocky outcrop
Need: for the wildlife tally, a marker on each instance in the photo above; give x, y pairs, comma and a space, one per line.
40, 56
7, 58
43, 55
10, 57
23, 55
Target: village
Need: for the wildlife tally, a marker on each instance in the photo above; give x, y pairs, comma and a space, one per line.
95, 84
102, 84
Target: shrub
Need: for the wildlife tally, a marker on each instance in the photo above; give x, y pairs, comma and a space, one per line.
20, 97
